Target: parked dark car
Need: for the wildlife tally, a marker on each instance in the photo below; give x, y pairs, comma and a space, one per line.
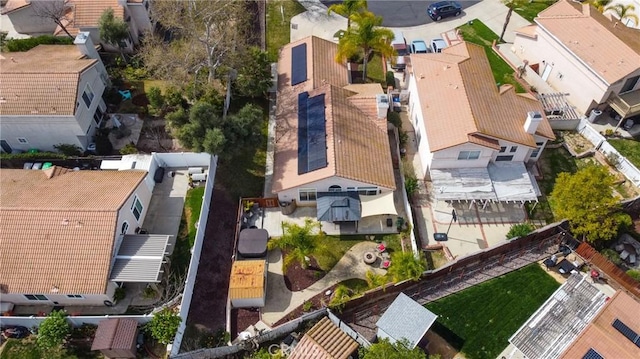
443, 9
16, 332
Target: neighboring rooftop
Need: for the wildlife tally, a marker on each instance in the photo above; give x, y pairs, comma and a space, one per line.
457, 86
406, 319
324, 341
46, 219
609, 47
86, 13
41, 81
353, 144
115, 334
559, 321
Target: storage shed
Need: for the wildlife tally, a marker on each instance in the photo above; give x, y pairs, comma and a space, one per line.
116, 338
405, 319
248, 283
252, 243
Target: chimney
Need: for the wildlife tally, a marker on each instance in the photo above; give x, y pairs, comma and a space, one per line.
533, 120
87, 48
382, 103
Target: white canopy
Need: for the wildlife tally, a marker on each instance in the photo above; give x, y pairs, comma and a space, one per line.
378, 205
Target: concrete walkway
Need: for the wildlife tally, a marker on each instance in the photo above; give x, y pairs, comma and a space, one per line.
280, 300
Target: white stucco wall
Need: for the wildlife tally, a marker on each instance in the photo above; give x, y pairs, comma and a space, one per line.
417, 121
140, 16
58, 299
26, 22
323, 186
126, 215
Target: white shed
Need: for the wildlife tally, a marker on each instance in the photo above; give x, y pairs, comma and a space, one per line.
407, 319
247, 286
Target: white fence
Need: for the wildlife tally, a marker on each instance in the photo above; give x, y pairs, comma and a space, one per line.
631, 172
348, 330
192, 160
75, 321
405, 200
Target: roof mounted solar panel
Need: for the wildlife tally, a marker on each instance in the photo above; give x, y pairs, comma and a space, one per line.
626, 331
298, 64
592, 354
312, 133
303, 153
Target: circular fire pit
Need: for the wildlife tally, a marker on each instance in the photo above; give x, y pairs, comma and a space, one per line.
370, 257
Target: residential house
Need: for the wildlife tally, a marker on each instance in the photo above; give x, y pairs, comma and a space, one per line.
80, 16
325, 341
50, 95
579, 51
580, 321
69, 237
331, 136
474, 137
405, 320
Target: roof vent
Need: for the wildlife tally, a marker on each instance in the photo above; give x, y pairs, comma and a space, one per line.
65, 222
421, 76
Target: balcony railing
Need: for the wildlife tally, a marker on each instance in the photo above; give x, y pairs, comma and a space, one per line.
627, 104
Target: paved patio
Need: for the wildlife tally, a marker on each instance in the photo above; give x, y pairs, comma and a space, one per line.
605, 121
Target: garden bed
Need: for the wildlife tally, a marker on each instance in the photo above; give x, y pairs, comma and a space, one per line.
297, 278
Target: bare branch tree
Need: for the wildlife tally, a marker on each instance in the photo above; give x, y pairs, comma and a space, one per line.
58, 11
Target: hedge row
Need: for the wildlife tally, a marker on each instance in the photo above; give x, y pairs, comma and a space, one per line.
30, 43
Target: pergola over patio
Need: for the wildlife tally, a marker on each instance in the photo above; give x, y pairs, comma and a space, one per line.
140, 258
556, 106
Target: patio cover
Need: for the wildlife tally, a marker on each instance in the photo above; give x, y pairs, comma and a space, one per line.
502, 181
252, 242
378, 205
338, 206
140, 258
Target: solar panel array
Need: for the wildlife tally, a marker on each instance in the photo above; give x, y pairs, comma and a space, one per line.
627, 332
298, 64
592, 354
312, 133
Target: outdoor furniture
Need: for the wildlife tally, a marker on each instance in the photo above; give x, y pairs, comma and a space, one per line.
624, 254
381, 247
619, 247
370, 257
385, 264
126, 94
565, 266
550, 262
632, 259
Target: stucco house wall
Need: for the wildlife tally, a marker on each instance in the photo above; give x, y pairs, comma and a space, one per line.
323, 186
25, 21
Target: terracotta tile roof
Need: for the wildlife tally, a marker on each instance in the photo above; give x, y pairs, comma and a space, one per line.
457, 86
86, 13
529, 30
608, 47
324, 341
357, 148
116, 334
247, 279
41, 81
603, 337
50, 226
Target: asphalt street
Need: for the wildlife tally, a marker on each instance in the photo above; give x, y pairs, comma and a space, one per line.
404, 13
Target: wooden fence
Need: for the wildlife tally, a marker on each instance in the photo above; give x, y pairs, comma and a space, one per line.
610, 270
271, 202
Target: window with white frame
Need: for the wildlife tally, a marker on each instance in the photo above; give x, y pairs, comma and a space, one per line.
368, 191
87, 96
536, 152
97, 116
36, 297
335, 188
22, 140
469, 155
136, 207
307, 194
504, 158
513, 149
503, 149
75, 296
418, 136
125, 227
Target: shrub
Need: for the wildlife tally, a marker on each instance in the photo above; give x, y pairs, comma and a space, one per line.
164, 325
53, 330
307, 305
391, 79
134, 74
611, 255
32, 156
411, 185
68, 149
156, 100
395, 119
119, 294
128, 149
30, 43
634, 273
520, 230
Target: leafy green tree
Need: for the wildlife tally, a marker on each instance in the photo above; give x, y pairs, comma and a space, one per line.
254, 74
68, 149
600, 5
624, 12
634, 273
383, 349
53, 330
214, 141
300, 242
177, 118
511, 5
585, 198
341, 295
348, 8
156, 100
241, 126
203, 118
520, 230
367, 38
164, 325
405, 266
612, 256
112, 31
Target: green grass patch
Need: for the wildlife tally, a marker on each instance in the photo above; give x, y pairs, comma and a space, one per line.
279, 14
375, 72
187, 232
630, 149
336, 247
356, 285
478, 33
161, 84
480, 320
28, 349
530, 9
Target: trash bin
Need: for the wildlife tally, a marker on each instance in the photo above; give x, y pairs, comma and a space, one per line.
594, 115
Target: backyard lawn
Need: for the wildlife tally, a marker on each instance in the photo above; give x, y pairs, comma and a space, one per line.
375, 72
187, 232
279, 14
479, 33
478, 321
337, 246
628, 148
530, 9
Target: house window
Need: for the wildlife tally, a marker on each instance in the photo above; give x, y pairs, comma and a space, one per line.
504, 158
75, 296
513, 149
469, 155
536, 152
368, 191
307, 194
22, 140
503, 149
335, 188
351, 189
630, 84
125, 227
136, 207
36, 297
97, 116
418, 136
146, 5
87, 96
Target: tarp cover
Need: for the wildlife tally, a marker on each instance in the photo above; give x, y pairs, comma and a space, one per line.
378, 205
252, 242
338, 206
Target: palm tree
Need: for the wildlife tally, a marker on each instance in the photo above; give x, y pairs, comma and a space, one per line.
511, 4
367, 37
600, 5
301, 242
375, 280
348, 8
623, 12
405, 266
